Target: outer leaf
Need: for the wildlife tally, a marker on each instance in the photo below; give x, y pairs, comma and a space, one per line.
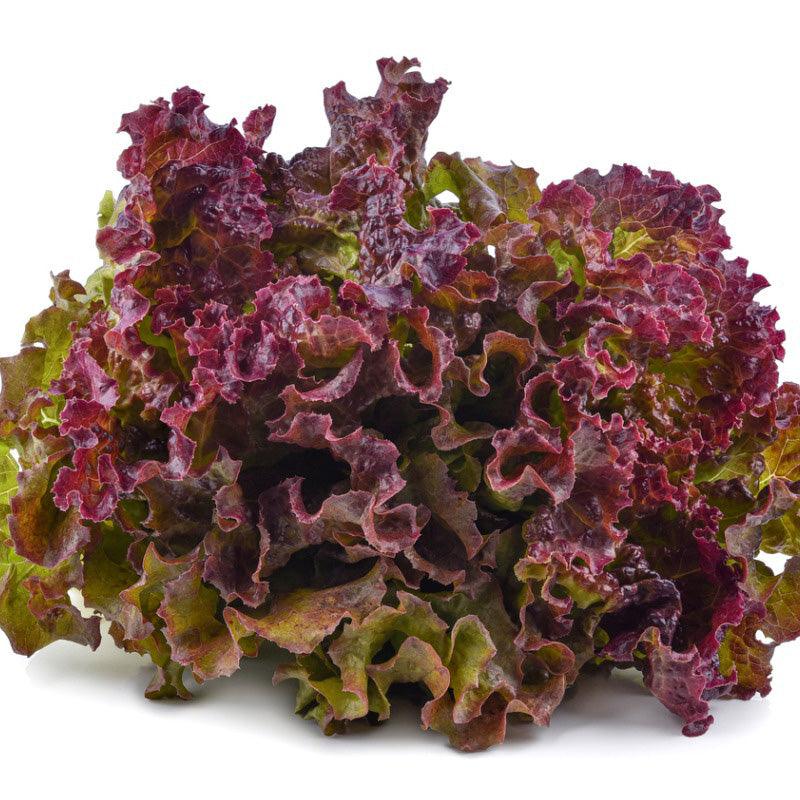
300, 620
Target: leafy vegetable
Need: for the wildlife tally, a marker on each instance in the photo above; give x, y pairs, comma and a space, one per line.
463, 451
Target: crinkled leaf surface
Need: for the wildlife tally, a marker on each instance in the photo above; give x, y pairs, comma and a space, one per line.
459, 451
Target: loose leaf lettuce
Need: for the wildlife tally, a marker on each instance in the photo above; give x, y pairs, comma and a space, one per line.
460, 451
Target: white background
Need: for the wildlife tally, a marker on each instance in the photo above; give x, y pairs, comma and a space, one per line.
707, 90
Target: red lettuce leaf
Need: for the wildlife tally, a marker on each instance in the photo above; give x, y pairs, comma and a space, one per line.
463, 451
